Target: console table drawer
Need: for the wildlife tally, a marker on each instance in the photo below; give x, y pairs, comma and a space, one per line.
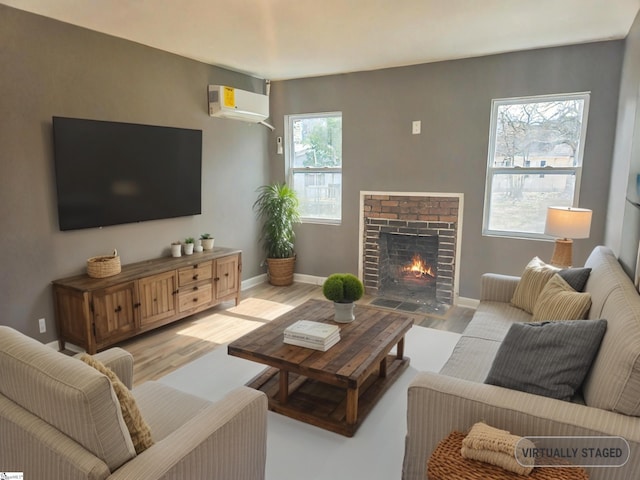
195, 297
195, 273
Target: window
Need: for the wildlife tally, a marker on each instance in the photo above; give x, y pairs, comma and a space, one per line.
314, 153
535, 161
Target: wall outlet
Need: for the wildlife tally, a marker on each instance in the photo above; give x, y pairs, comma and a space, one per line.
416, 127
43, 325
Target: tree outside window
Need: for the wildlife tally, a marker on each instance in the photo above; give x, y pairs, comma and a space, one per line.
535, 161
314, 151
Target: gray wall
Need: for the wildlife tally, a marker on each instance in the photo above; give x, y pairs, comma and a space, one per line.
52, 68
453, 100
623, 221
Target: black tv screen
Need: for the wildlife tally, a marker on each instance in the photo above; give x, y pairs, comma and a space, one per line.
109, 173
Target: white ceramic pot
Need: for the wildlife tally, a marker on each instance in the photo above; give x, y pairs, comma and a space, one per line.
207, 243
188, 248
176, 250
344, 312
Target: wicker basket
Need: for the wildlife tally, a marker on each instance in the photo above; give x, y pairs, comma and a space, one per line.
281, 271
104, 266
446, 463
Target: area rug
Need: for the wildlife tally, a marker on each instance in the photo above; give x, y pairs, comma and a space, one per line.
296, 450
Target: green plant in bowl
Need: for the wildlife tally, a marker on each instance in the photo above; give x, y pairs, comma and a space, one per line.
343, 288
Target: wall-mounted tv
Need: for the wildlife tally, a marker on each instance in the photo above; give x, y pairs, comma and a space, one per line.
110, 173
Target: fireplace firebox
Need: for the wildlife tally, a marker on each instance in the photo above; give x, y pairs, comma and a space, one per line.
408, 266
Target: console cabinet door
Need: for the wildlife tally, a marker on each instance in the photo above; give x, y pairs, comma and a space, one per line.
227, 276
157, 298
114, 312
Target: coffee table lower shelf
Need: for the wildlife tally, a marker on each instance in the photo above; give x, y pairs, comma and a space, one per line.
324, 405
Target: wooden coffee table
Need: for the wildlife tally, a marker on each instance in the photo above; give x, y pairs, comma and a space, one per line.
336, 389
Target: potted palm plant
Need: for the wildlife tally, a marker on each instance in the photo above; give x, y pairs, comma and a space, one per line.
343, 289
278, 209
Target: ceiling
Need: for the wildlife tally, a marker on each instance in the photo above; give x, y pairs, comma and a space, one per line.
283, 39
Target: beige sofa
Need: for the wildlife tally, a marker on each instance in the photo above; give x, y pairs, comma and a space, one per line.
60, 419
456, 397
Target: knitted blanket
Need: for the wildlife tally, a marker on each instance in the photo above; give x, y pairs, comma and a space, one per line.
497, 447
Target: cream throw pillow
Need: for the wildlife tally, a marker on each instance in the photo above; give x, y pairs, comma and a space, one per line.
138, 428
534, 278
558, 301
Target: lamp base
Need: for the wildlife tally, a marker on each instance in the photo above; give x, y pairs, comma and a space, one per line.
562, 253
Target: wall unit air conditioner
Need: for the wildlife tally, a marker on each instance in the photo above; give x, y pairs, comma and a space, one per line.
229, 102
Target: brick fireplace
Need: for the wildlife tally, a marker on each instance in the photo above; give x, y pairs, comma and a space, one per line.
409, 248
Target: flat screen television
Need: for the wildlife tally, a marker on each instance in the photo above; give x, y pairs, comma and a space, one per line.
110, 173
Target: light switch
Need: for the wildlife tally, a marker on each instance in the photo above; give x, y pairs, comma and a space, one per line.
415, 127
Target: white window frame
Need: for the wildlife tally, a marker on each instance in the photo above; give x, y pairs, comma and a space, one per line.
576, 170
290, 170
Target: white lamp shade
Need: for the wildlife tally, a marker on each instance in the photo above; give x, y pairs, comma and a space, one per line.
568, 222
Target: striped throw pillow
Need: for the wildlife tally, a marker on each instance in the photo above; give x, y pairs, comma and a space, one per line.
558, 301
547, 358
534, 278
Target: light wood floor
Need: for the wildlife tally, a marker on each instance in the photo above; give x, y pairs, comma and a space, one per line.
161, 351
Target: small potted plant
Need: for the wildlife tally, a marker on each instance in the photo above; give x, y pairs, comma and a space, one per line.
189, 243
207, 241
176, 249
343, 289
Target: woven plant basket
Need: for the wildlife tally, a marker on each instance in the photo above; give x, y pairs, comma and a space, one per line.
104, 266
280, 271
446, 463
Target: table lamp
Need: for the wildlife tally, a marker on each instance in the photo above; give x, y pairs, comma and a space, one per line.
566, 223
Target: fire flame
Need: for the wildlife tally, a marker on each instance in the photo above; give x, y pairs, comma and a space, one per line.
419, 268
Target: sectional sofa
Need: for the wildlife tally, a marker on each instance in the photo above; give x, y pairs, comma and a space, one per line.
608, 403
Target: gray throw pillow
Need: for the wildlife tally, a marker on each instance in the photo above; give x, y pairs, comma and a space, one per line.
547, 358
576, 277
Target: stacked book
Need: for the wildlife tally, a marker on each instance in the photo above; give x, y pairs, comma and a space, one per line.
316, 335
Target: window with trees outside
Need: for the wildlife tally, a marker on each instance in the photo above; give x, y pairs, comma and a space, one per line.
535, 161
314, 151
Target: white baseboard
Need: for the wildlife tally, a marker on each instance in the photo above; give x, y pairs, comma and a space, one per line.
468, 302
312, 279
74, 348
253, 281
67, 346
297, 277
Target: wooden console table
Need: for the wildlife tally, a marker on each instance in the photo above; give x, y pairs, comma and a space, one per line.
94, 313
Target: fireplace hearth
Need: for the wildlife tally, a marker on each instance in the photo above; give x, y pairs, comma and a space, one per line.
409, 248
